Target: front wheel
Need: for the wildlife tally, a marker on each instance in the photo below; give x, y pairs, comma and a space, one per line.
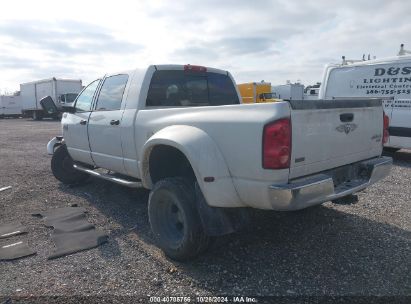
175, 221
62, 167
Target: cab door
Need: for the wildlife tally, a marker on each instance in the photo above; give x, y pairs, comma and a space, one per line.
75, 125
104, 127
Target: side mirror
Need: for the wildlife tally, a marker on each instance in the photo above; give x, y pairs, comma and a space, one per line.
48, 105
69, 108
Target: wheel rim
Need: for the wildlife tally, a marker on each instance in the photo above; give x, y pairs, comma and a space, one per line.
171, 223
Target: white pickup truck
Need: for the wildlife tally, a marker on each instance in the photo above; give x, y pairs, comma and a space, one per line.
181, 132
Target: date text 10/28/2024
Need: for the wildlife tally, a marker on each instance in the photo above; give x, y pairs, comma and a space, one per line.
203, 299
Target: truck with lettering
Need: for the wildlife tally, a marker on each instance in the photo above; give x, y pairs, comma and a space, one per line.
182, 132
386, 78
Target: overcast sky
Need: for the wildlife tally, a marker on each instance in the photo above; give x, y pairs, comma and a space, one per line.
271, 40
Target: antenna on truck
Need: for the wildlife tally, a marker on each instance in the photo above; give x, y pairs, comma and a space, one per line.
403, 51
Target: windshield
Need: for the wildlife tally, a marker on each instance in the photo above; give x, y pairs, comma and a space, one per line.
70, 97
267, 95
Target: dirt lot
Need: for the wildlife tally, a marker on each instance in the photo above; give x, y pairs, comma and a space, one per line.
359, 249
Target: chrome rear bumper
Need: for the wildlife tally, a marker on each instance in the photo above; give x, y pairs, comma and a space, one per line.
321, 188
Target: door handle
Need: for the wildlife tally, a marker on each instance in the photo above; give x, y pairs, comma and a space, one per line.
115, 122
83, 122
346, 117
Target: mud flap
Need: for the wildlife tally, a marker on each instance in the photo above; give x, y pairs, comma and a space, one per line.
219, 221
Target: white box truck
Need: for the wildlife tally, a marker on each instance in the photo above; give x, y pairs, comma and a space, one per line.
289, 91
10, 106
386, 78
61, 90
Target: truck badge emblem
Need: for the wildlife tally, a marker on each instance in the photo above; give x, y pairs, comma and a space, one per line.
346, 128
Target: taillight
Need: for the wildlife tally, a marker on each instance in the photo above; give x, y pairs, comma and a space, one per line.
385, 130
194, 68
277, 144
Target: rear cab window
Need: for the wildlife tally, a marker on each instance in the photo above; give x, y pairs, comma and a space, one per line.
177, 88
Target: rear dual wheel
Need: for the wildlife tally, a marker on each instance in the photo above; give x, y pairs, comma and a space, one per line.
175, 220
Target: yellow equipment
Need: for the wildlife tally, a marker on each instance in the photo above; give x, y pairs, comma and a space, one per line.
256, 92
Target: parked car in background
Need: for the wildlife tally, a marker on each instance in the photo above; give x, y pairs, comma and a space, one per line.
312, 91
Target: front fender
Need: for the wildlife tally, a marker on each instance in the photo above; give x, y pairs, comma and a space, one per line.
56, 141
205, 159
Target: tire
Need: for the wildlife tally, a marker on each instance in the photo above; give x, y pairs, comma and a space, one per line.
62, 167
175, 221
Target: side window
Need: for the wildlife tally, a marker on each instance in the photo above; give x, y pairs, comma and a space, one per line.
85, 98
179, 89
111, 93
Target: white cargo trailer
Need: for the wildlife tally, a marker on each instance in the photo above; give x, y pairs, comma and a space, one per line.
289, 91
33, 92
10, 106
386, 78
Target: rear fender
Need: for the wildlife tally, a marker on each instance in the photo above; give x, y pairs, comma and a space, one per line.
205, 159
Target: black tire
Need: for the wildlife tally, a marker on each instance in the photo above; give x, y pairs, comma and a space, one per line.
175, 221
62, 167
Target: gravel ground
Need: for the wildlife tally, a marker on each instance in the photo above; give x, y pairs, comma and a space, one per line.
338, 250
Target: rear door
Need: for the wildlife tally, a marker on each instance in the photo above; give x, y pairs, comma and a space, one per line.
105, 124
332, 133
75, 125
11, 105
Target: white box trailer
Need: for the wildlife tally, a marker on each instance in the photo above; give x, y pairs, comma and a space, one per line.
289, 91
10, 106
32, 92
386, 78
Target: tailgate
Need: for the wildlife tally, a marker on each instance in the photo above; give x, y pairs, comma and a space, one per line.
332, 133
